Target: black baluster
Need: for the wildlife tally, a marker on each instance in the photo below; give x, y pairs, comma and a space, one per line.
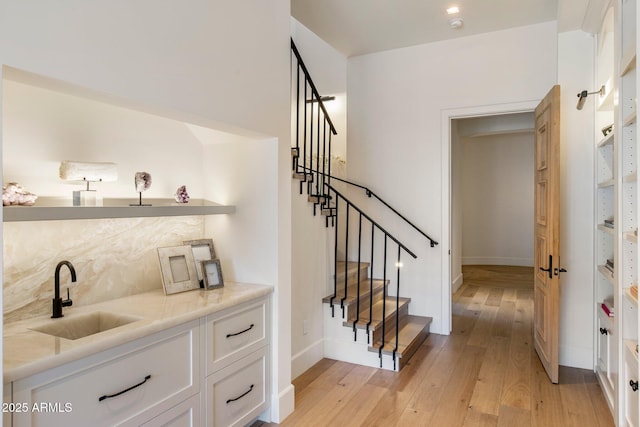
397, 308
384, 298
371, 285
355, 331
346, 256
335, 263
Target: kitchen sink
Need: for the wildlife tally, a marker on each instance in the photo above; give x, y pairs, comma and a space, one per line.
84, 325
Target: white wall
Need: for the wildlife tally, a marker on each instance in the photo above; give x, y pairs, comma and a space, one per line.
312, 246
396, 101
575, 73
41, 127
44, 127
497, 199
328, 69
221, 63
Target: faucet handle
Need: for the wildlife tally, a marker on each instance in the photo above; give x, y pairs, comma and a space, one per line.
67, 302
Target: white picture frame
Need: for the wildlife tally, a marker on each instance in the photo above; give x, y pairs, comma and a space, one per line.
212, 274
178, 269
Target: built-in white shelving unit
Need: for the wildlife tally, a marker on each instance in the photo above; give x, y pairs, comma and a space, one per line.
617, 203
607, 226
627, 413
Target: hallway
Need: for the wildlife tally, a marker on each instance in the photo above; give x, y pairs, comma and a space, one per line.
486, 373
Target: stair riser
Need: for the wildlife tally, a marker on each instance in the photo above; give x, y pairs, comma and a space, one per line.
317, 199
352, 274
352, 308
409, 351
376, 324
390, 324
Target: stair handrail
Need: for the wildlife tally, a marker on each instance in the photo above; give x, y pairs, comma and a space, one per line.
360, 211
314, 91
370, 193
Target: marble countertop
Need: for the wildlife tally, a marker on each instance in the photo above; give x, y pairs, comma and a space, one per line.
27, 352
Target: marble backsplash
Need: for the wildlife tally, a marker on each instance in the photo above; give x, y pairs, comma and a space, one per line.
112, 258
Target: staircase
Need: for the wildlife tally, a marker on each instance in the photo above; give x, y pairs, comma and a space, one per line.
366, 319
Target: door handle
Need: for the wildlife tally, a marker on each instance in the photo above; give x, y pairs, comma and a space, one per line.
550, 269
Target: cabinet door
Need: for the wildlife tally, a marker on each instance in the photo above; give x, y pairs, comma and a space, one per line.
605, 357
630, 390
127, 388
238, 393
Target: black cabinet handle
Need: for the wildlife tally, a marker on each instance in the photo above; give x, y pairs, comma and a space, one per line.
634, 385
241, 396
241, 332
108, 396
604, 331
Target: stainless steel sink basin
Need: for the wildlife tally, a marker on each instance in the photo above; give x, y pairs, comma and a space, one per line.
84, 325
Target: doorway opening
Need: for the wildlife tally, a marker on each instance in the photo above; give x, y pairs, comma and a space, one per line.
482, 146
492, 196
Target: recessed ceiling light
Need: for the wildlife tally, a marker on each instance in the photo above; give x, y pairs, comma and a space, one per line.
453, 9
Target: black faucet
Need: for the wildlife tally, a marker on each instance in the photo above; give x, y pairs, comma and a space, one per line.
58, 302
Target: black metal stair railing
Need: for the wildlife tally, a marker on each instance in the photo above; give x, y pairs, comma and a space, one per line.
311, 163
340, 200
313, 131
370, 193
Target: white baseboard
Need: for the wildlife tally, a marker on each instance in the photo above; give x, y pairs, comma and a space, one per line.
306, 358
523, 262
457, 282
282, 404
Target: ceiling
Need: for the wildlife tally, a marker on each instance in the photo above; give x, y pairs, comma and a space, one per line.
357, 27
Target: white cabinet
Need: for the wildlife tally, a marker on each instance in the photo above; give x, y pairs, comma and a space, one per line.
210, 371
123, 387
237, 364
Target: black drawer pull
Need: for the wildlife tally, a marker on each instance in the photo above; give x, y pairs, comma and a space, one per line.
634, 385
108, 396
241, 332
242, 395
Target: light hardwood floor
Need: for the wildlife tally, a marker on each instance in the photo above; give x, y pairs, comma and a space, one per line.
486, 373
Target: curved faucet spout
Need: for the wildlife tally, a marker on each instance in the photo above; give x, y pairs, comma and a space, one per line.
58, 303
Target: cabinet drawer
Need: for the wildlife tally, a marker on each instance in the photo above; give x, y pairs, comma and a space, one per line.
235, 334
238, 393
186, 414
81, 395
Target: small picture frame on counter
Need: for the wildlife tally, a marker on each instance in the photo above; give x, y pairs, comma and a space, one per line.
212, 274
202, 250
178, 269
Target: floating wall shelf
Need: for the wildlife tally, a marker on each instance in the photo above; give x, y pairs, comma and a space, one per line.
51, 209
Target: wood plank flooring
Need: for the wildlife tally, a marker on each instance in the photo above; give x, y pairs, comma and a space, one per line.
486, 373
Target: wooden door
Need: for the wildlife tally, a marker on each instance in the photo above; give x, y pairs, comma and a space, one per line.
546, 291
